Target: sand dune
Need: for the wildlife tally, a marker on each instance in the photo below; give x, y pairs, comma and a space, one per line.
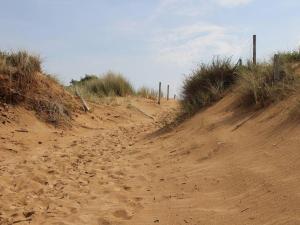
223, 166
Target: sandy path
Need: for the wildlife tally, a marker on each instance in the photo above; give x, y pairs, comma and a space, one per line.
214, 169
92, 174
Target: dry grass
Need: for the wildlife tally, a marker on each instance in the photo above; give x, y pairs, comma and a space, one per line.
22, 82
290, 57
257, 85
148, 93
18, 72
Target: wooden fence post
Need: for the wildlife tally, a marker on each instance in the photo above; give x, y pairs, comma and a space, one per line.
276, 67
85, 105
174, 97
254, 49
168, 89
159, 92
240, 62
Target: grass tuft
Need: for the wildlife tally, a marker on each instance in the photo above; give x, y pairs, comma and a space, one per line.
206, 84
20, 69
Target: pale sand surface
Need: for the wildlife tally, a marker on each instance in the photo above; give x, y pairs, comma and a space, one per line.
112, 168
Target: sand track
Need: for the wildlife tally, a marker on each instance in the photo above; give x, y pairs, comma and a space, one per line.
213, 169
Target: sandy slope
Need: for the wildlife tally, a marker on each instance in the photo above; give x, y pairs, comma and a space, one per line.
226, 167
221, 167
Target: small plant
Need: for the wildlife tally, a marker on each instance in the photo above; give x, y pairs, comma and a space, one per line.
206, 84
52, 112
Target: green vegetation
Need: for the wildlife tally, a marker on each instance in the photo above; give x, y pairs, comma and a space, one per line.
109, 84
289, 57
255, 83
206, 84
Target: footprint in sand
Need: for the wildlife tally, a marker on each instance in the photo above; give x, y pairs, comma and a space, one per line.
126, 188
120, 173
122, 214
138, 199
144, 156
136, 166
141, 178
102, 221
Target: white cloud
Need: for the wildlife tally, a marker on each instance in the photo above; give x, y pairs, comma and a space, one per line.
186, 44
195, 7
190, 44
183, 7
233, 3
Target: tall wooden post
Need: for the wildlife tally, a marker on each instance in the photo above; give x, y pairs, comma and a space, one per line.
159, 92
254, 49
168, 89
276, 67
240, 62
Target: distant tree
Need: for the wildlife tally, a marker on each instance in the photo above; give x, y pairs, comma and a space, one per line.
88, 77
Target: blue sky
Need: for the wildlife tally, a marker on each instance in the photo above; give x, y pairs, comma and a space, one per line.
146, 40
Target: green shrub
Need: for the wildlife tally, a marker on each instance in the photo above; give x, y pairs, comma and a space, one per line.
83, 80
207, 84
110, 84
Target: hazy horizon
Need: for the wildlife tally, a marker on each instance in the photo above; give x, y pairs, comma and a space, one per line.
147, 41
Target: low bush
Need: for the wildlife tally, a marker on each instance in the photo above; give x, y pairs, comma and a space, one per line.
206, 84
109, 84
